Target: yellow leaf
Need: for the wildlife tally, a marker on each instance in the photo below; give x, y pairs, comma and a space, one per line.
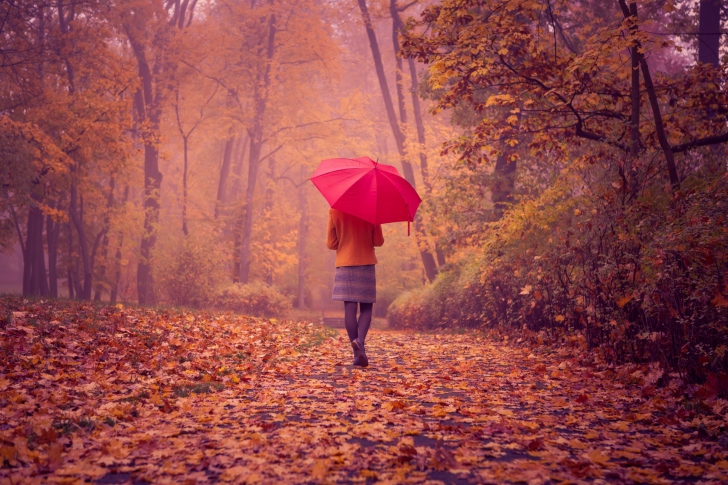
597, 457
83, 469
369, 474
320, 469
624, 300
235, 472
499, 99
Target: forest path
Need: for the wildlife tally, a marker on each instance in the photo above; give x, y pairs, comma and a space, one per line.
453, 409
112, 395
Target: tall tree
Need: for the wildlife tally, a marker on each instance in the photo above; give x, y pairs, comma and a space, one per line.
552, 91
241, 273
302, 231
398, 29
150, 29
428, 260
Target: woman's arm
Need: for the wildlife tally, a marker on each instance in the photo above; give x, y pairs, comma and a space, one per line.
332, 241
377, 237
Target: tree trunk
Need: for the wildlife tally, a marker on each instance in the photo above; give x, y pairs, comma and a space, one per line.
149, 112
268, 210
104, 234
34, 273
16, 223
224, 173
28, 255
75, 212
234, 193
69, 269
503, 185
424, 168
256, 144
631, 172
659, 125
117, 258
184, 188
628, 12
40, 285
709, 32
53, 232
428, 260
117, 272
302, 231
239, 221
152, 186
247, 211
397, 27
99, 288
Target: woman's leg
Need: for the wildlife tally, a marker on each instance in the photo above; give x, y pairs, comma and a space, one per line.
350, 319
365, 320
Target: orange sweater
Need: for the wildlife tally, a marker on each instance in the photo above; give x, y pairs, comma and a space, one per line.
353, 239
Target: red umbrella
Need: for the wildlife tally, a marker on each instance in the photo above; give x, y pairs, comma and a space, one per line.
366, 189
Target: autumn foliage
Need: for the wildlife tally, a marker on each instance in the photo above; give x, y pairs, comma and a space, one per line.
111, 393
608, 198
559, 312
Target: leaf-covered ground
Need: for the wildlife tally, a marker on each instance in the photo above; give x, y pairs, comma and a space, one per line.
117, 395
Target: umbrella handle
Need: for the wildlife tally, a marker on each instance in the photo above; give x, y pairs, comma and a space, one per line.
408, 229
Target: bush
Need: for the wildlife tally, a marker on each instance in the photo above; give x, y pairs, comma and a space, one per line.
385, 297
187, 273
452, 299
644, 280
257, 299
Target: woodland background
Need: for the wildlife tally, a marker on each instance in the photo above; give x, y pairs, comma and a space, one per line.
571, 158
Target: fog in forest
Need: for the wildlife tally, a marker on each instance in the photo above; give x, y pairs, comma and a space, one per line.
158, 152
225, 108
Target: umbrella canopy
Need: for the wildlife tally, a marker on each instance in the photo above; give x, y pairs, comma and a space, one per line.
366, 189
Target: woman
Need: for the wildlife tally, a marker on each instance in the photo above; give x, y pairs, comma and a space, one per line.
355, 282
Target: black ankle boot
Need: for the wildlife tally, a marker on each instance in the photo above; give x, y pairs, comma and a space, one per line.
361, 355
356, 354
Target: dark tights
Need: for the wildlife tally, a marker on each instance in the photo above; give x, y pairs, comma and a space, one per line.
357, 328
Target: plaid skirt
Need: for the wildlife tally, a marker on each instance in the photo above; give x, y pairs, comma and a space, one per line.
355, 283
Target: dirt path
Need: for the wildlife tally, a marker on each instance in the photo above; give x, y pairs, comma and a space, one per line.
434, 408
429, 409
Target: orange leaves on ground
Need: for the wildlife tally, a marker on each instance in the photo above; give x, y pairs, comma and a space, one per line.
123, 395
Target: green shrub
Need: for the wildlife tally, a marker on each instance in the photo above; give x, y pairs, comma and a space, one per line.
187, 273
385, 296
257, 299
644, 280
452, 299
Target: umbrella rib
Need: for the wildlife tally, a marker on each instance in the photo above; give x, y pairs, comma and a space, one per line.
360, 176
352, 186
388, 177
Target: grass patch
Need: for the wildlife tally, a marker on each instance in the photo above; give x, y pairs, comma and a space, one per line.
198, 388
67, 426
134, 399
318, 337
